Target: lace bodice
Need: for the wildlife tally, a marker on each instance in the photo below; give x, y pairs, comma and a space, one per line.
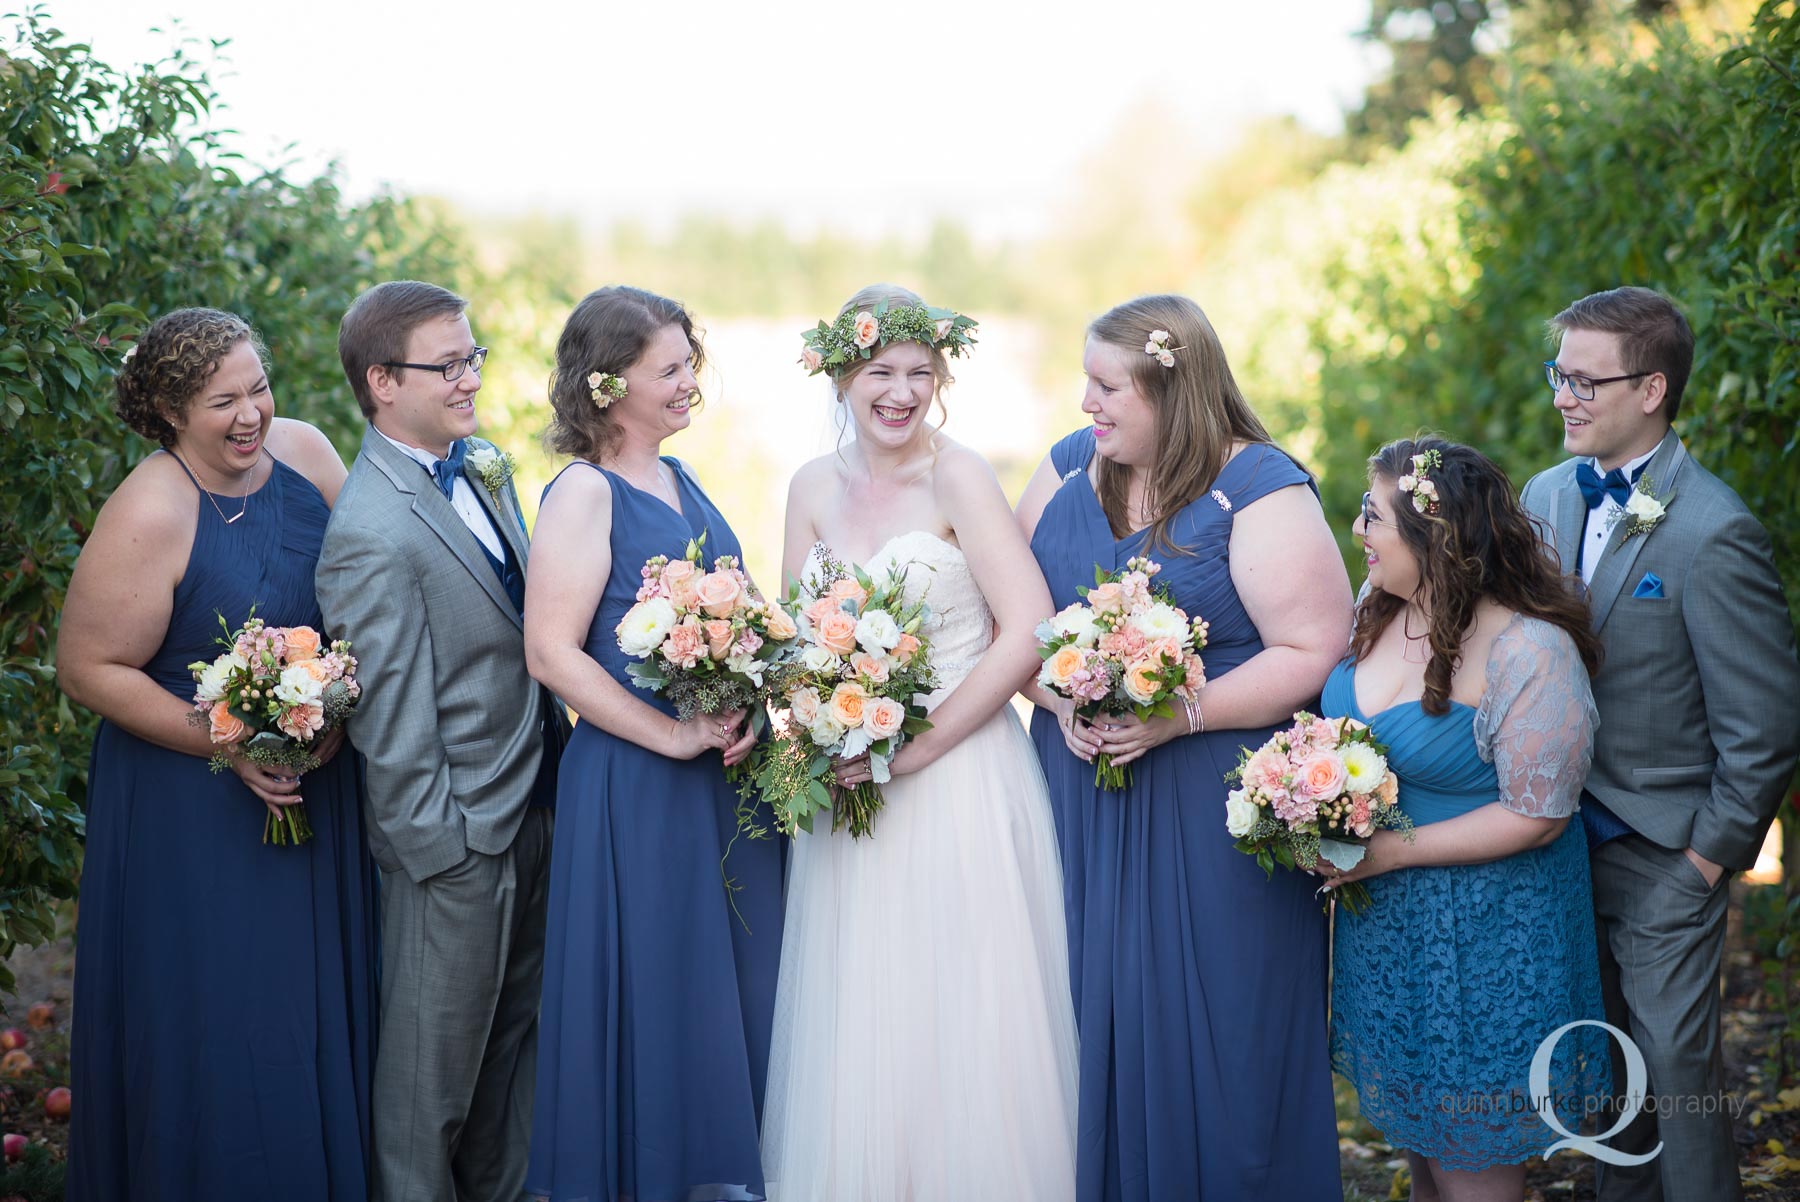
961, 625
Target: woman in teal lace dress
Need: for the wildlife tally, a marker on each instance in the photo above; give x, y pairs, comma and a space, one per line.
1470, 661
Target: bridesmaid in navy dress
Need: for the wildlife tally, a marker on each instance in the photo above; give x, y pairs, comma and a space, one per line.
1470, 661
224, 990
1199, 984
658, 1000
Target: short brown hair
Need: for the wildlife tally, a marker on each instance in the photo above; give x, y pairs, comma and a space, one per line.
1653, 335
607, 332
380, 322
171, 362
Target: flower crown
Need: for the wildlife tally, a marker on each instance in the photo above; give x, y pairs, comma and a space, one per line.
856, 336
1158, 348
1424, 491
604, 388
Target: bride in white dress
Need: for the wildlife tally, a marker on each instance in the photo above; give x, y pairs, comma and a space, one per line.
924, 1042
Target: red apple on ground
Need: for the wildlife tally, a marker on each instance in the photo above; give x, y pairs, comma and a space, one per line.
15, 1147
12, 1038
41, 1014
16, 1063
58, 1102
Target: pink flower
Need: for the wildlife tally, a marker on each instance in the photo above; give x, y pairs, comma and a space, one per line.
302, 643
866, 329
1267, 771
848, 589
837, 632
718, 637
883, 716
302, 722
780, 626
872, 668
804, 705
686, 645
1293, 808
226, 727
942, 330
718, 593
1321, 777
1362, 819
749, 643
1106, 598
905, 649
815, 613
811, 360
679, 582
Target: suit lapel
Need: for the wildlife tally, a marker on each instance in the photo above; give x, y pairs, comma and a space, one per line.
1568, 522
440, 517
1621, 552
503, 512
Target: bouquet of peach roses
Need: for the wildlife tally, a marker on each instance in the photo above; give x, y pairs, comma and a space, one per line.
853, 688
1129, 649
269, 697
705, 638
1317, 790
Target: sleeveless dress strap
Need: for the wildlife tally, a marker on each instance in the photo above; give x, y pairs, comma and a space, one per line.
194, 480
1073, 452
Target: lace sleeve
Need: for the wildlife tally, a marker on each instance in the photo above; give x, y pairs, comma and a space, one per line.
1536, 720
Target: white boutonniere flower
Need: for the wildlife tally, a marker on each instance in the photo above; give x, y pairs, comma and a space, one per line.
494, 467
1644, 510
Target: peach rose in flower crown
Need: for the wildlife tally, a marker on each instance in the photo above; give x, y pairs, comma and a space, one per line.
883, 716
804, 706
1321, 776
866, 329
871, 667
686, 645
226, 727
848, 702
780, 626
837, 632
812, 360
718, 593
679, 581
905, 649
302, 722
302, 643
848, 589
718, 637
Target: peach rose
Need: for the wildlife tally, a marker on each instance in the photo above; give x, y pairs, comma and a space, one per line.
867, 330
1321, 776
678, 583
302, 722
848, 702
1140, 683
302, 643
718, 637
882, 717
905, 649
1106, 598
837, 632
227, 727
718, 593
872, 667
686, 645
804, 705
318, 669
815, 613
781, 628
1060, 668
848, 589
812, 360
1388, 791
942, 330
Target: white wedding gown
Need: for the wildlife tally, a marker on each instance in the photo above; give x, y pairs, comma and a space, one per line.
924, 1043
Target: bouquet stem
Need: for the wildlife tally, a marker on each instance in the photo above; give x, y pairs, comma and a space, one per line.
1354, 897
289, 827
856, 809
1108, 775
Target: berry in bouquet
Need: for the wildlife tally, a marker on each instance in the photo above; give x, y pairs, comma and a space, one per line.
856, 685
1315, 791
269, 698
1125, 649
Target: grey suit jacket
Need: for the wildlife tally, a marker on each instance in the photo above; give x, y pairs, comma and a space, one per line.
1699, 693
450, 723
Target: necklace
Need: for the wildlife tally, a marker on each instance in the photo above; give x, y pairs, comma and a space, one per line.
205, 492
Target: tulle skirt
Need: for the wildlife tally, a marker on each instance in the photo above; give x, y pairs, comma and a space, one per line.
924, 1046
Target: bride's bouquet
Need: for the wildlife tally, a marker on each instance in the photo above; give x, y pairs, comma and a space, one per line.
1128, 649
270, 696
1317, 790
853, 688
705, 638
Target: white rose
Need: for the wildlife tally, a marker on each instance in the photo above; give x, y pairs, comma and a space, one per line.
1240, 813
818, 659
482, 458
825, 730
877, 632
1162, 621
1076, 622
645, 625
1643, 507
298, 687
213, 679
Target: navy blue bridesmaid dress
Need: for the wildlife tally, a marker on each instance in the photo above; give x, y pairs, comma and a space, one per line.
1200, 985
653, 1042
225, 1001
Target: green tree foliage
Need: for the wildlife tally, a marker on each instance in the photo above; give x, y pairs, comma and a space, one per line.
117, 203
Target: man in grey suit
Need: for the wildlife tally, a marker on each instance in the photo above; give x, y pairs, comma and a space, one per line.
423, 569
1698, 725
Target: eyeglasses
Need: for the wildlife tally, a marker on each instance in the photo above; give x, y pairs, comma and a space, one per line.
1580, 387
454, 369
1369, 516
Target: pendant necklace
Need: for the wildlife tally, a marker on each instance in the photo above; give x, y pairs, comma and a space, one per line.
207, 493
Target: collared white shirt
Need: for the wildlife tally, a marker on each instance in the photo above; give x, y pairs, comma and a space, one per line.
1602, 517
462, 498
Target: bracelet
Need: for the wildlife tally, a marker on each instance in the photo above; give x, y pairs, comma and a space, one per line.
1196, 718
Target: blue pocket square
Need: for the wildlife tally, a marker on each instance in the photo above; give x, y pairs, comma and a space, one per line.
1649, 586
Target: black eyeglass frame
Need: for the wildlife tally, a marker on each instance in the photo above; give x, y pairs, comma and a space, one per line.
472, 361
1557, 377
1369, 516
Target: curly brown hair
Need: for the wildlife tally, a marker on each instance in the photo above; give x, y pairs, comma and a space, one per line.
607, 332
1479, 544
171, 362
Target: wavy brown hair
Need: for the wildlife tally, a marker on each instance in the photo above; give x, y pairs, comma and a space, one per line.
1480, 544
1200, 412
171, 362
607, 332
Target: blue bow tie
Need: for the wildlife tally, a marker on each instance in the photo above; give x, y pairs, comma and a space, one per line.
446, 470
1595, 488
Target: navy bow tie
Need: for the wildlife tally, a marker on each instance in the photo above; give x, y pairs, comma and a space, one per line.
1595, 488
446, 470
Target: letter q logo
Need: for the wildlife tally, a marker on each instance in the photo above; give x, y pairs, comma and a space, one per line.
1635, 1080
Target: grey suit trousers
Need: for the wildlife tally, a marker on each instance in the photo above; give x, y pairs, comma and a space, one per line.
1662, 935
462, 963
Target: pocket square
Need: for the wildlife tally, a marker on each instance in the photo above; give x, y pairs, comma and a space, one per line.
1649, 586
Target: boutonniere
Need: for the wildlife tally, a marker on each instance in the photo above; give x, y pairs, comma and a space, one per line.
494, 467
1644, 511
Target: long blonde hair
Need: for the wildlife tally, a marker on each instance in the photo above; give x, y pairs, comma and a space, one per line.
1199, 412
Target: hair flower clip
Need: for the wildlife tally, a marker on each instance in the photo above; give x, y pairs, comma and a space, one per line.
1420, 485
1158, 348
604, 388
